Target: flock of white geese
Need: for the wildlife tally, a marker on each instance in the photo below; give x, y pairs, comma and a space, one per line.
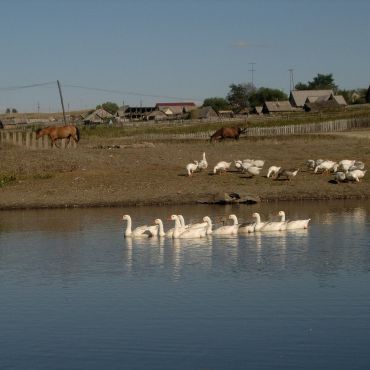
202, 229
344, 170
253, 167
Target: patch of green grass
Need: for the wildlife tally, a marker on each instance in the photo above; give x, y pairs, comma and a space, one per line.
6, 179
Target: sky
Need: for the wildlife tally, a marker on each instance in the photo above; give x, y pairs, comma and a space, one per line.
143, 52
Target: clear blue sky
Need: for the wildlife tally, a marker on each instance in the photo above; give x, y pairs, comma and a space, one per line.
181, 49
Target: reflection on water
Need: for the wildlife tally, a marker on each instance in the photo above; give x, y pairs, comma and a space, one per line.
73, 289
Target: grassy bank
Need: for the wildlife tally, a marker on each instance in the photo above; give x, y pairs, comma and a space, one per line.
186, 127
94, 175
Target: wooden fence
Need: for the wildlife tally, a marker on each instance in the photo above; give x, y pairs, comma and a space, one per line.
28, 140
299, 129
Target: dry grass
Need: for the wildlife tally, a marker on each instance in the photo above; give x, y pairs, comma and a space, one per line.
156, 174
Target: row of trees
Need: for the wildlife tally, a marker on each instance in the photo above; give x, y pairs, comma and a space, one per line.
245, 95
10, 110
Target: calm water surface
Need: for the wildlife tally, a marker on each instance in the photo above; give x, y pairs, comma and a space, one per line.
76, 295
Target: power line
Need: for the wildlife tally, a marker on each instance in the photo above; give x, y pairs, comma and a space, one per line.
111, 91
11, 88
120, 92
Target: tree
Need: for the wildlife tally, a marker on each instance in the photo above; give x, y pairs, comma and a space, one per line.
14, 110
301, 86
216, 103
266, 94
7, 110
109, 107
320, 82
239, 94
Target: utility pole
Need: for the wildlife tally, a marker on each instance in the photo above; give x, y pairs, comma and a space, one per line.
38, 107
61, 100
252, 70
291, 79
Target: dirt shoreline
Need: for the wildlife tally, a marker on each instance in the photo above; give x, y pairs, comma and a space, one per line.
154, 174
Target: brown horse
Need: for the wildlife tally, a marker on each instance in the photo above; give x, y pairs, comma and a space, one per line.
228, 133
59, 132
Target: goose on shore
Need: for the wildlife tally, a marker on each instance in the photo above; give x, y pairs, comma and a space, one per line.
326, 166
355, 175
222, 166
272, 171
286, 174
254, 170
191, 167
340, 176
203, 164
346, 164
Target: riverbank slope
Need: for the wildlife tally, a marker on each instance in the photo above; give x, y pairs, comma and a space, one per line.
113, 172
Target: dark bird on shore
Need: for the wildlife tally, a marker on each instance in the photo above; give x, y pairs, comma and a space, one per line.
286, 174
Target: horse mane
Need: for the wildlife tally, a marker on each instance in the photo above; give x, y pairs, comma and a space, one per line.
38, 130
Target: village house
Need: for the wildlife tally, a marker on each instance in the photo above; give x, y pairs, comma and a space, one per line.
127, 113
176, 107
297, 98
283, 106
97, 116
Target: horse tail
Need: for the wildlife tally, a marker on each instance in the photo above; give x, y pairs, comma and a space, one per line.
77, 134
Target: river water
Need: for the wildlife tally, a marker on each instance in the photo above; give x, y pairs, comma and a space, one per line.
76, 295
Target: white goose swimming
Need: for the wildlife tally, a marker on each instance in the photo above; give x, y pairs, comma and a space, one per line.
159, 222
274, 226
169, 233
258, 225
246, 228
295, 224
140, 231
228, 229
209, 225
180, 233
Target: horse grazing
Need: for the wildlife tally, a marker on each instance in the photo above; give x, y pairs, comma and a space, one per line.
59, 132
228, 133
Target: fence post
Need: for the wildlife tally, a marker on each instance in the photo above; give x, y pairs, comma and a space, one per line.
14, 137
20, 138
45, 142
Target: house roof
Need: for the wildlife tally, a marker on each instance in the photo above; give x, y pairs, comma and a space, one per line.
278, 106
206, 112
299, 96
173, 109
339, 99
98, 115
176, 104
